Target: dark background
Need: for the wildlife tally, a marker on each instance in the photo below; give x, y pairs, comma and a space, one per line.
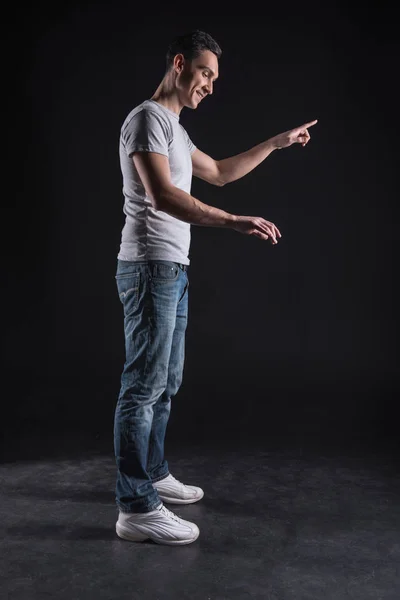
294, 341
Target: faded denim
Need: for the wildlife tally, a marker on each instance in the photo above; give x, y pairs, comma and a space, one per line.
154, 296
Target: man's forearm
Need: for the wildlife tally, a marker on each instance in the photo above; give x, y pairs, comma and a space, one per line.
237, 166
183, 206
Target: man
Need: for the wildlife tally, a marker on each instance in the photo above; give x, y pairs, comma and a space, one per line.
158, 160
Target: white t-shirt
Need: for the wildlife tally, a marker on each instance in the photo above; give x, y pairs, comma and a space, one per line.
150, 234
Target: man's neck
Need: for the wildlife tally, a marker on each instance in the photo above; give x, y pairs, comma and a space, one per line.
166, 97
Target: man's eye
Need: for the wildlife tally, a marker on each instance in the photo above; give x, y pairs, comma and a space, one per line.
206, 74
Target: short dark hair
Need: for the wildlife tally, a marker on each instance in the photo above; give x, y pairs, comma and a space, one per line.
191, 45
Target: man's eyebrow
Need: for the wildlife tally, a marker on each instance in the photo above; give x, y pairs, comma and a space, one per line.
208, 68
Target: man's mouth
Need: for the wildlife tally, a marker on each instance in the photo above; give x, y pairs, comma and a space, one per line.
201, 96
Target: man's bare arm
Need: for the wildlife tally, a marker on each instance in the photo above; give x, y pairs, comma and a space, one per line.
238, 166
155, 175
235, 167
154, 172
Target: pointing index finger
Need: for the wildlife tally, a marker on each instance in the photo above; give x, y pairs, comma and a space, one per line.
310, 124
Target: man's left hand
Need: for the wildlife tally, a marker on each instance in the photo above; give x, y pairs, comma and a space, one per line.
299, 135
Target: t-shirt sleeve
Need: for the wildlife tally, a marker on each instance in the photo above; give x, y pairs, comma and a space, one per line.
147, 131
189, 142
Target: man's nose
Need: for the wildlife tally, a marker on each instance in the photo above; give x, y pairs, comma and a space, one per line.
209, 88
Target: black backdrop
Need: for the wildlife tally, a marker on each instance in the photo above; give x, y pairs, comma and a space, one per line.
297, 339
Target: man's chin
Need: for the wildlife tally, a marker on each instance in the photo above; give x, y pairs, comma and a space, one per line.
193, 104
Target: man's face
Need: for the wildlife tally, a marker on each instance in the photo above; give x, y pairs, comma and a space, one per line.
196, 79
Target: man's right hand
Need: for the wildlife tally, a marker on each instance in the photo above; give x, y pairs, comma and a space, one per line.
258, 227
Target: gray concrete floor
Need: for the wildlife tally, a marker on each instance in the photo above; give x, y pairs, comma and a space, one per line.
276, 523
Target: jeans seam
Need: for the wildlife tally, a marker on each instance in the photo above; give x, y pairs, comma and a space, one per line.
150, 508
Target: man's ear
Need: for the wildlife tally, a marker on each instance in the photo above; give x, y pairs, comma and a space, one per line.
179, 62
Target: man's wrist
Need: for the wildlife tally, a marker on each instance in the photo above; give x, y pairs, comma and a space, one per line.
230, 220
274, 143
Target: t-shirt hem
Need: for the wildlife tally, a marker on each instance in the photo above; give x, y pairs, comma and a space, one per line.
177, 259
137, 148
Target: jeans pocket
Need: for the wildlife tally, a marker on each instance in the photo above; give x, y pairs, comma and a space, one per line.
164, 272
128, 290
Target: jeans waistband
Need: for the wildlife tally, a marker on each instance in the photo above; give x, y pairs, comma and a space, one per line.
143, 262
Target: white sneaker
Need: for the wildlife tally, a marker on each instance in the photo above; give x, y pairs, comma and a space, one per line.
175, 492
160, 525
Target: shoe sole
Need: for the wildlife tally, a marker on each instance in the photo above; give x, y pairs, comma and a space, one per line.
178, 500
125, 534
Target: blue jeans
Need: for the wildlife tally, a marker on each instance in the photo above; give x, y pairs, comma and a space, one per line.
154, 295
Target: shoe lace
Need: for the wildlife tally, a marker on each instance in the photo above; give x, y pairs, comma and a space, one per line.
169, 513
